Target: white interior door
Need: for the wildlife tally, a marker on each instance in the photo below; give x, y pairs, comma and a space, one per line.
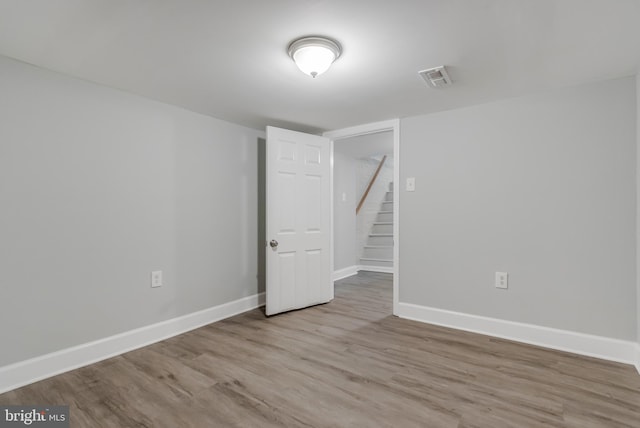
298, 220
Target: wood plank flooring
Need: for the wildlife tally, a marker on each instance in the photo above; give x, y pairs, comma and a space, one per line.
348, 363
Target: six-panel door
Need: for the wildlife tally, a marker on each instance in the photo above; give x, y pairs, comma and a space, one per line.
298, 220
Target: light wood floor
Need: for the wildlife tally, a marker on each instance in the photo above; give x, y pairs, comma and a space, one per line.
346, 363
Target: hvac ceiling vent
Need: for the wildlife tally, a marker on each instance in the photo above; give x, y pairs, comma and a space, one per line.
436, 77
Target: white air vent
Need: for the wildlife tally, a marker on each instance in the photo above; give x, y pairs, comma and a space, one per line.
436, 77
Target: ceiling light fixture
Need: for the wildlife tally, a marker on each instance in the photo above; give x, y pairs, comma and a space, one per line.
314, 55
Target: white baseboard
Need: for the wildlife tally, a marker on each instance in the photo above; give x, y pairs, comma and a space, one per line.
345, 272
25, 372
353, 270
380, 269
578, 343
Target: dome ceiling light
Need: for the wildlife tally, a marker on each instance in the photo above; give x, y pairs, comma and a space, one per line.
314, 55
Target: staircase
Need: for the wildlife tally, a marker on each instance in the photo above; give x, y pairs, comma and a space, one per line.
377, 254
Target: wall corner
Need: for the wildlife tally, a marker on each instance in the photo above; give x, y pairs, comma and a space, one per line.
638, 220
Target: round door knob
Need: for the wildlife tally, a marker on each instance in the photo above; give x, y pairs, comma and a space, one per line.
273, 243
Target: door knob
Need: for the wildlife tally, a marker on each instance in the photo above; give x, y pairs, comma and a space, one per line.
273, 243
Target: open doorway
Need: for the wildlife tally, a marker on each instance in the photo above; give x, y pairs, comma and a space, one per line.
365, 202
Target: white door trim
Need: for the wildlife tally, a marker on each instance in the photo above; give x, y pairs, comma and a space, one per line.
370, 128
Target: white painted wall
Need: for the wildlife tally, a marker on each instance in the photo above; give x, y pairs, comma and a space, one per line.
366, 145
344, 211
543, 187
99, 188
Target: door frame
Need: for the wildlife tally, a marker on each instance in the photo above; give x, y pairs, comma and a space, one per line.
372, 128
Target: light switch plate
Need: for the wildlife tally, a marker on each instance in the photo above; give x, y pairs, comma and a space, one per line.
411, 184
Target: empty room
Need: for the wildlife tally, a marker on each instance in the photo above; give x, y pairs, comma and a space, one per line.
319, 213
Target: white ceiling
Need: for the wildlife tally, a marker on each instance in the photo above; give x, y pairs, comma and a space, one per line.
364, 146
227, 58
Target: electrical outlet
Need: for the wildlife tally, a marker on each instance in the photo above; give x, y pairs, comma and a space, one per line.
502, 280
156, 278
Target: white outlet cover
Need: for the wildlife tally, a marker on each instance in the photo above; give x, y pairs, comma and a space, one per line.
156, 278
502, 280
